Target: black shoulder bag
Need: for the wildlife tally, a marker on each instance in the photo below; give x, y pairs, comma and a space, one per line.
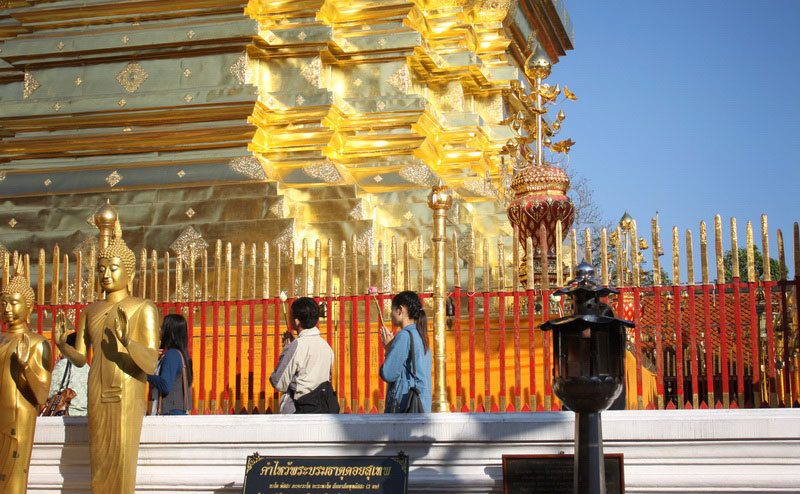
414, 404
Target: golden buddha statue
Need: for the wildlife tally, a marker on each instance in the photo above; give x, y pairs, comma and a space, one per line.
124, 331
25, 364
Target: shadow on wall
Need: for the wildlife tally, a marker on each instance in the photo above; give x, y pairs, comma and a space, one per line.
74, 464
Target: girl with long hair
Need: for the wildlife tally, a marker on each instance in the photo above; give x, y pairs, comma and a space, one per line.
408, 355
171, 385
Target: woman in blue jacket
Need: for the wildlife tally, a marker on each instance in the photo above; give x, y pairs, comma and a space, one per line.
172, 383
397, 368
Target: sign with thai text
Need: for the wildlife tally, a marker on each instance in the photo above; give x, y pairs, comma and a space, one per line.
326, 474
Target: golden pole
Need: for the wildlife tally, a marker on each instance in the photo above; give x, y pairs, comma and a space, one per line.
6, 265
354, 271
154, 277
734, 250
765, 264
65, 280
253, 269
587, 245
501, 267
635, 255
421, 271
179, 277
457, 264
689, 259
192, 274
78, 277
796, 239
782, 257
719, 251
620, 262
751, 264
40, 281
676, 260
368, 264
290, 253
265, 278
166, 278
142, 273
304, 267
228, 269
381, 270
393, 267
604, 257
440, 199
205, 278
704, 253
317, 268
487, 278
656, 260
471, 267
242, 272
56, 273
92, 262
406, 268
329, 276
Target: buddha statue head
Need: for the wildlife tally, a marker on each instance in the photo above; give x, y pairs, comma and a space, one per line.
17, 299
116, 264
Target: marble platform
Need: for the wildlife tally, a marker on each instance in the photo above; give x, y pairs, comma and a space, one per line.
753, 451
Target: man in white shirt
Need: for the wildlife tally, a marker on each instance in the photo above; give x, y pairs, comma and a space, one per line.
305, 363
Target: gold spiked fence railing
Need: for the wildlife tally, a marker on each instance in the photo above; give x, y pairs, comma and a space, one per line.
730, 342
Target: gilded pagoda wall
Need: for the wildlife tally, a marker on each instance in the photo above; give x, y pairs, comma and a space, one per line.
324, 118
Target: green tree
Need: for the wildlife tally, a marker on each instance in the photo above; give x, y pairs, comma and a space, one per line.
758, 261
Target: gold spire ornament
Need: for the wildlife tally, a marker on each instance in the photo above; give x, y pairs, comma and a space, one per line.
124, 331
25, 363
538, 190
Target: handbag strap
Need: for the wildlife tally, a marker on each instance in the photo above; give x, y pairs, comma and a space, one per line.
67, 377
413, 360
185, 395
184, 370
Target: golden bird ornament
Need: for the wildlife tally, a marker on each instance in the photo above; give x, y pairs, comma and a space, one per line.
569, 94
562, 146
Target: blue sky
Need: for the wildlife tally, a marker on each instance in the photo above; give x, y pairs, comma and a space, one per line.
689, 109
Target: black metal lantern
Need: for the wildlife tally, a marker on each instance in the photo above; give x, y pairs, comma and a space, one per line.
589, 370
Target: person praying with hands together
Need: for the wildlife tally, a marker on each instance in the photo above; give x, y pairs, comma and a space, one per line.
408, 362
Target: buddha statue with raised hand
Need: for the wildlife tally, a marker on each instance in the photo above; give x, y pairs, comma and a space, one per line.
124, 332
25, 364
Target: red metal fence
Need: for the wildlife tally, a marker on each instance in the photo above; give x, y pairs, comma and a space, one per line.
718, 345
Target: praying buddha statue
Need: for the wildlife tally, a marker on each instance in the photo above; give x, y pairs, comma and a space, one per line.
124, 333
25, 364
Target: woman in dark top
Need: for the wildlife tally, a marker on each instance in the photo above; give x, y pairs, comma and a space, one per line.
170, 391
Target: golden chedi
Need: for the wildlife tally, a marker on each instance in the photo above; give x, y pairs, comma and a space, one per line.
124, 331
25, 363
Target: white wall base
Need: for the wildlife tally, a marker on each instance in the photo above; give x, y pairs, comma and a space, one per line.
751, 451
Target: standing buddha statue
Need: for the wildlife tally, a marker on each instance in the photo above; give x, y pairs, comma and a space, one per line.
25, 364
124, 332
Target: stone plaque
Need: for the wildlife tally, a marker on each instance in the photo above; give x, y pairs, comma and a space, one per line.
552, 474
326, 474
